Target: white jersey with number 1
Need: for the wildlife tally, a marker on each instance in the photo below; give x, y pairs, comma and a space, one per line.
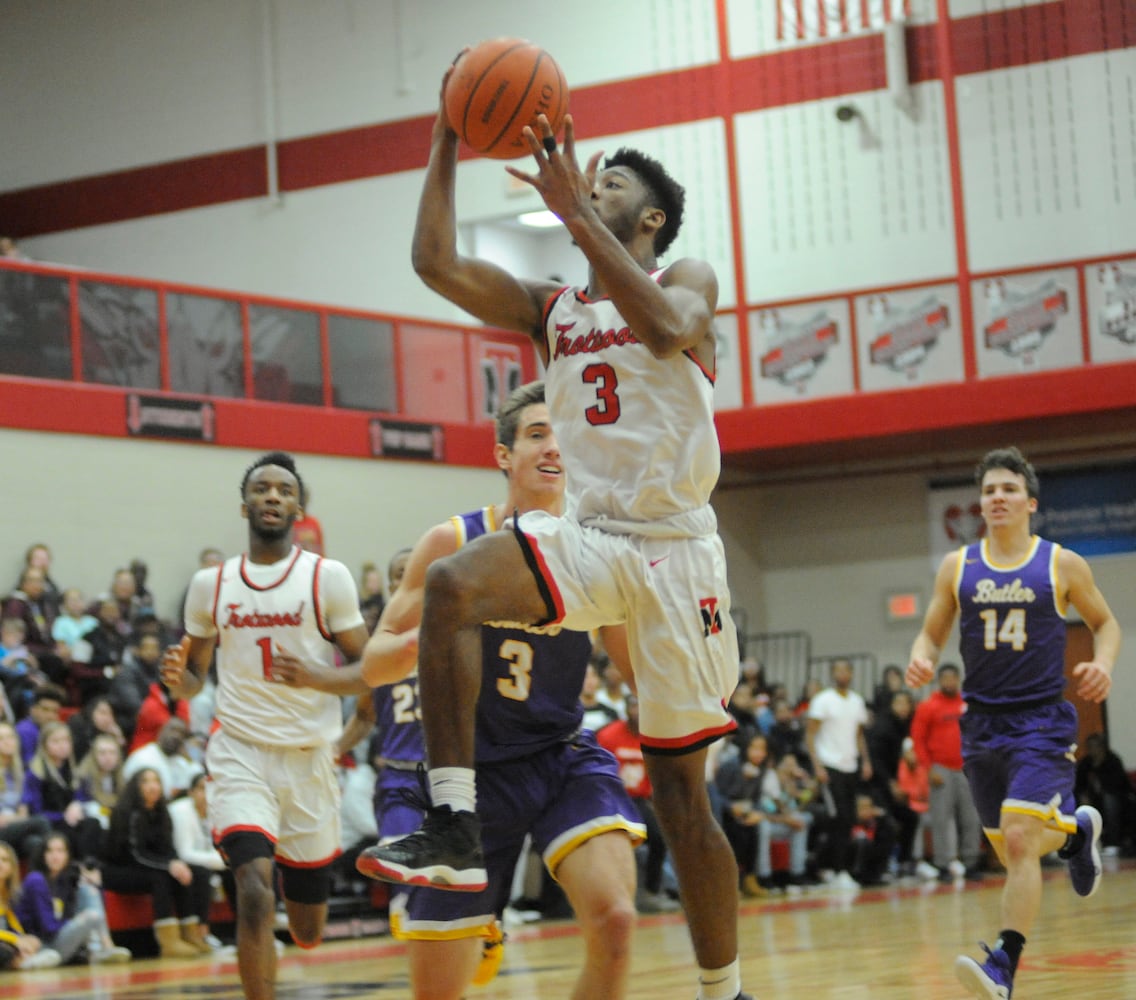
296, 605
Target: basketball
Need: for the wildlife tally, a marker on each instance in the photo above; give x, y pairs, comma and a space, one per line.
499, 87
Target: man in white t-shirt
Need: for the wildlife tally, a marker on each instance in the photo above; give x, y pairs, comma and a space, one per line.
835, 736
273, 793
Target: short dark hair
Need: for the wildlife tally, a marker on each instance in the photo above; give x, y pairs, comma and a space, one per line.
280, 458
948, 668
1013, 461
509, 415
663, 191
49, 692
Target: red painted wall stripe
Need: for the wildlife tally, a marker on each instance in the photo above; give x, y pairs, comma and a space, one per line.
793, 76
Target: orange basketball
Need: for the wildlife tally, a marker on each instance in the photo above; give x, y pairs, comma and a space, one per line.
499, 87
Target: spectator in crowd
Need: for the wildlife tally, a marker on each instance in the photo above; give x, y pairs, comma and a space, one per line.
18, 827
100, 777
140, 857
873, 840
370, 582
18, 950
124, 593
938, 745
61, 903
597, 714
809, 690
193, 840
787, 735
157, 708
28, 604
1103, 782
743, 706
885, 738
47, 701
143, 599
614, 691
839, 752
51, 790
134, 680
19, 668
38, 556
915, 793
359, 828
757, 813
95, 717
73, 622
621, 739
891, 681
167, 756
96, 658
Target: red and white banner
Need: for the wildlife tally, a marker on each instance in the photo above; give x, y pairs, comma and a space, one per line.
809, 20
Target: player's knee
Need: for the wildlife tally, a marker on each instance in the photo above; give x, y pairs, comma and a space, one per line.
610, 928
1018, 844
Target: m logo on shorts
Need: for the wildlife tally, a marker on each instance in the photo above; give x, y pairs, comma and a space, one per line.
711, 616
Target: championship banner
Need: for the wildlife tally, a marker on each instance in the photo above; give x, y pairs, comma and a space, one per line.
1091, 511
160, 416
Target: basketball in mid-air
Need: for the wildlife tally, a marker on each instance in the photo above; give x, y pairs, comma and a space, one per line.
497, 88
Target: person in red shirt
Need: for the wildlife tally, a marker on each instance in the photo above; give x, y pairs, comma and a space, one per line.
621, 739
158, 707
938, 745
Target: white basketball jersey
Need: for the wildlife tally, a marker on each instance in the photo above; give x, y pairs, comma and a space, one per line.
636, 432
296, 605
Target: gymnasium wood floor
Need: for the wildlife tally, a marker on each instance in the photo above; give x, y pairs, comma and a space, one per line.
897, 943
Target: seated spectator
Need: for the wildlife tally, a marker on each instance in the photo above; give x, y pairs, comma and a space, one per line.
885, 738
73, 622
596, 713
140, 857
158, 707
621, 739
19, 668
100, 777
134, 679
124, 593
168, 756
613, 691
28, 604
873, 839
18, 827
757, 813
358, 828
96, 717
1103, 782
45, 707
193, 841
61, 903
18, 950
95, 659
51, 790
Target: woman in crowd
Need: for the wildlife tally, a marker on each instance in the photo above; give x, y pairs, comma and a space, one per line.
96, 717
18, 950
18, 827
140, 858
193, 838
62, 904
100, 777
52, 791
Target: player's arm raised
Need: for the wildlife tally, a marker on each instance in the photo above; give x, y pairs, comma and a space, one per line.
392, 651
937, 623
1093, 677
479, 287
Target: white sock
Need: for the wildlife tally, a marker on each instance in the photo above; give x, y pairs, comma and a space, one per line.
720, 984
454, 787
